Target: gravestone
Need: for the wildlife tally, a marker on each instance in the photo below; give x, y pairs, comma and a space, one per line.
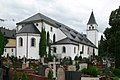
1, 74
47, 71
60, 74
41, 70
71, 68
83, 65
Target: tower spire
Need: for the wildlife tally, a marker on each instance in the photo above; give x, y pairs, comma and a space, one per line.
92, 19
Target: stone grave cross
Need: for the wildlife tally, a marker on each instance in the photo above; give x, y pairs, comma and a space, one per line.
54, 63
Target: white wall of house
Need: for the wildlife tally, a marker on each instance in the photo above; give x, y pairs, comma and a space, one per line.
10, 51
33, 52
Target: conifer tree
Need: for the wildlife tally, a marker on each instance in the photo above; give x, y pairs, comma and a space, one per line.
15, 77
50, 75
3, 42
42, 44
24, 77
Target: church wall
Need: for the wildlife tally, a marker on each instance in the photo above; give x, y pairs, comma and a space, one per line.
21, 50
69, 50
33, 52
93, 37
58, 33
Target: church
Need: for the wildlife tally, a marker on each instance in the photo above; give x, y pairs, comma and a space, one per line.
66, 42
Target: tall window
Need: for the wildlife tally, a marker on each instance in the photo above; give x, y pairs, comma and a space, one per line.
51, 29
33, 42
74, 49
20, 41
48, 38
54, 49
63, 49
88, 50
83, 49
53, 38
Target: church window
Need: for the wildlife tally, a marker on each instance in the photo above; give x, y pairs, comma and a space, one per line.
93, 51
88, 50
82, 48
33, 42
92, 27
53, 38
63, 49
54, 49
74, 49
20, 41
48, 36
36, 24
89, 28
51, 29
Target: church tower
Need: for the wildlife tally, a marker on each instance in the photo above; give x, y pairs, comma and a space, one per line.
92, 30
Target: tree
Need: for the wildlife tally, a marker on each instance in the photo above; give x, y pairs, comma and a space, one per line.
15, 77
111, 43
50, 57
24, 77
42, 44
50, 75
3, 42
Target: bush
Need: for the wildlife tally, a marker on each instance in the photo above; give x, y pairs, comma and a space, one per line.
15, 77
24, 77
115, 78
91, 71
116, 72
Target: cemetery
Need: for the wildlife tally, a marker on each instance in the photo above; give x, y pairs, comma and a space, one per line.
63, 69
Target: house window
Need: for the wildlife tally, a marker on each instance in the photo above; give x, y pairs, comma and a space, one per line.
54, 49
74, 49
33, 42
51, 29
53, 38
63, 49
11, 50
20, 41
5, 50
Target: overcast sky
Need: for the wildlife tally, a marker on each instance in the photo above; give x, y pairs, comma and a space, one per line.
73, 13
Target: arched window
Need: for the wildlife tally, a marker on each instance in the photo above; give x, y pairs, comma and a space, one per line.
74, 49
92, 27
89, 28
54, 49
20, 41
63, 49
48, 38
53, 38
33, 42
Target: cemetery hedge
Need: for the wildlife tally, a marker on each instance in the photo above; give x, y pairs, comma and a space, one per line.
91, 71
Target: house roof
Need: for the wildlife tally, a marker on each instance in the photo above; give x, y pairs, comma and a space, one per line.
72, 35
11, 43
92, 19
29, 28
8, 33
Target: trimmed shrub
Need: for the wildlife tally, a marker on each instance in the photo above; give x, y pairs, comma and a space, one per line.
24, 77
116, 72
15, 77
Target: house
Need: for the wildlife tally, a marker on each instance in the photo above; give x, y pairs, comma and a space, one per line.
10, 47
65, 41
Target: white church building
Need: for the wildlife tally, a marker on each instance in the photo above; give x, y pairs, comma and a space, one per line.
65, 41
